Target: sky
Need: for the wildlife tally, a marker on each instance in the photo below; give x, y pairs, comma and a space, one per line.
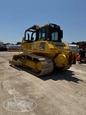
18, 15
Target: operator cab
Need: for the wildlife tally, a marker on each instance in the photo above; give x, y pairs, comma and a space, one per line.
49, 32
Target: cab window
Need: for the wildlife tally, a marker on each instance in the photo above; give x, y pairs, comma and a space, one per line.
42, 33
54, 36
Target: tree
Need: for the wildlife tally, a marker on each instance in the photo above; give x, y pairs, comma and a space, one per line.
18, 43
73, 43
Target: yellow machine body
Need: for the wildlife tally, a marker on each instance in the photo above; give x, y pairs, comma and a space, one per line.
43, 55
58, 52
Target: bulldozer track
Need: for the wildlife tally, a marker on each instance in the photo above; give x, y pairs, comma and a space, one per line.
47, 64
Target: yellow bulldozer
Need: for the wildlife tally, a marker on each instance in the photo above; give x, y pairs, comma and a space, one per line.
43, 50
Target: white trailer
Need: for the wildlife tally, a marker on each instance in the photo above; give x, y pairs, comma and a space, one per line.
74, 48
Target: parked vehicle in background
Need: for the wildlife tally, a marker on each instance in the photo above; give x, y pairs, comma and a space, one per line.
81, 56
2, 46
74, 48
13, 47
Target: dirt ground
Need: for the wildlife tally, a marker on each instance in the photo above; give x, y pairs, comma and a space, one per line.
61, 93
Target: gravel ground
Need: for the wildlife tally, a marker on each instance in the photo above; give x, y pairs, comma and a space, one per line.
61, 93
